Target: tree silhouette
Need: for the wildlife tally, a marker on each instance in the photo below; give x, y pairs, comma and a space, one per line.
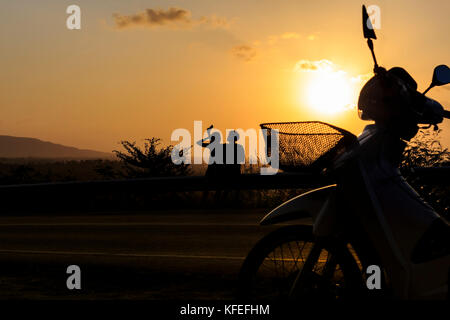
151, 161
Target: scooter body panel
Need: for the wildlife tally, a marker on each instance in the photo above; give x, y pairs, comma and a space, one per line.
308, 204
404, 218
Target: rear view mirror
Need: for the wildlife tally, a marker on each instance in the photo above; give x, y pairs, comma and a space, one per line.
441, 75
369, 32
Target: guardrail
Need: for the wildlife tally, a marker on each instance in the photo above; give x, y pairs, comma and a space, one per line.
72, 193
116, 194
190, 183
202, 183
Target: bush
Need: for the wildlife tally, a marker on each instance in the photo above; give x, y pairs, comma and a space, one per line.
425, 150
152, 161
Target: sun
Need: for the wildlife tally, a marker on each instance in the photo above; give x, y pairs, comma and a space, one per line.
329, 92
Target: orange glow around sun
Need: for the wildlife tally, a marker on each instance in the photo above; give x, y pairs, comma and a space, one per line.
330, 92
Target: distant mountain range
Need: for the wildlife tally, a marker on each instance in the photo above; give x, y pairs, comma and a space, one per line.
18, 147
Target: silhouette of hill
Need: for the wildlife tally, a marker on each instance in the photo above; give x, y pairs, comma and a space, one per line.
18, 147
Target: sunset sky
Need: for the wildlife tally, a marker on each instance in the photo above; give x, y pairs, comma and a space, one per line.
139, 69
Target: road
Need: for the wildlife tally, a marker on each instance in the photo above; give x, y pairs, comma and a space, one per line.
150, 255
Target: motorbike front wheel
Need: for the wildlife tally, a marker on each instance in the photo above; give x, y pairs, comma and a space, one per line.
277, 262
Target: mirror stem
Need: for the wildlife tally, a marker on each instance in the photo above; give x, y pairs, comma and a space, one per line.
370, 44
428, 89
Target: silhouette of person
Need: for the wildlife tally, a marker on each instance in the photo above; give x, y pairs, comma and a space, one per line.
212, 170
232, 155
236, 154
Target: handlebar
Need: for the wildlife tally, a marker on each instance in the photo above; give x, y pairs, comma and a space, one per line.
446, 114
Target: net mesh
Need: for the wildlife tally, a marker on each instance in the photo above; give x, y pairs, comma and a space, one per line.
308, 144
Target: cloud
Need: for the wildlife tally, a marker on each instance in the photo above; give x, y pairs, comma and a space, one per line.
248, 52
244, 52
174, 17
362, 78
327, 65
307, 65
290, 35
273, 39
215, 22
153, 17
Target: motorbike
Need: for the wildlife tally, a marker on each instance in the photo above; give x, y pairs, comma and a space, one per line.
369, 233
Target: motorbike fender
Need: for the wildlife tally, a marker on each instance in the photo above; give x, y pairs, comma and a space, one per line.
308, 204
325, 222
